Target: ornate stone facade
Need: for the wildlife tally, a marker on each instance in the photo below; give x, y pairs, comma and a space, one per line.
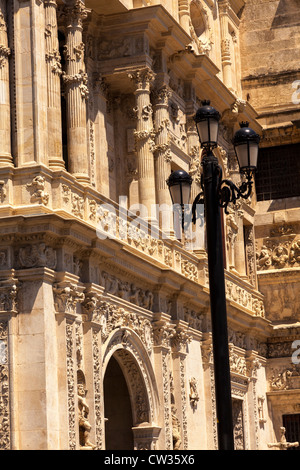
105, 331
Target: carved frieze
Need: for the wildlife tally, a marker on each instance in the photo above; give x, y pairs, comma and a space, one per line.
280, 250
245, 298
122, 47
285, 378
127, 291
193, 318
36, 256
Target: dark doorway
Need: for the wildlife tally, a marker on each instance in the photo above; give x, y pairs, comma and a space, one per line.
117, 409
292, 429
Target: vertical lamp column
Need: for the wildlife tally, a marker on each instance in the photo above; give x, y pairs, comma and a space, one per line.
53, 83
144, 140
207, 121
5, 145
75, 80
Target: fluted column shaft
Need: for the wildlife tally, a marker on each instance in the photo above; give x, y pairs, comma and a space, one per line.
144, 140
75, 81
163, 158
225, 43
5, 143
54, 71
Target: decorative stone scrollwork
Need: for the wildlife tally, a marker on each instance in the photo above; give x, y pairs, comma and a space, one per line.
111, 317
5, 52
285, 378
142, 77
4, 388
80, 78
180, 340
237, 362
37, 188
54, 59
163, 333
71, 386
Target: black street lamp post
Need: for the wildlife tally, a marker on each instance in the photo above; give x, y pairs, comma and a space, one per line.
218, 193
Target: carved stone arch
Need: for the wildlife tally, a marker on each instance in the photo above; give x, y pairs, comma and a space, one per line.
200, 27
128, 350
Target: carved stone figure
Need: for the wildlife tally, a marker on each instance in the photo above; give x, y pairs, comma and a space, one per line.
283, 444
176, 429
83, 412
194, 396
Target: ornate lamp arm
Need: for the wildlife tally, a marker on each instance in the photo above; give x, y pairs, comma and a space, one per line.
229, 192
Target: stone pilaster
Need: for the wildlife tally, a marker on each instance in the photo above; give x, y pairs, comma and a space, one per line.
54, 71
8, 309
184, 14
76, 91
92, 334
144, 139
5, 144
179, 407
67, 294
162, 333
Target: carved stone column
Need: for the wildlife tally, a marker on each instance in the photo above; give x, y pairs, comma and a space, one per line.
163, 158
5, 144
75, 81
144, 139
53, 87
225, 42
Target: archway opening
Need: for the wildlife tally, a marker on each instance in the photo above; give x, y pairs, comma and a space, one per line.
117, 409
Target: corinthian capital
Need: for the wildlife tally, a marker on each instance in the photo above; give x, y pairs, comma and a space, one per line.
75, 12
142, 78
66, 297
